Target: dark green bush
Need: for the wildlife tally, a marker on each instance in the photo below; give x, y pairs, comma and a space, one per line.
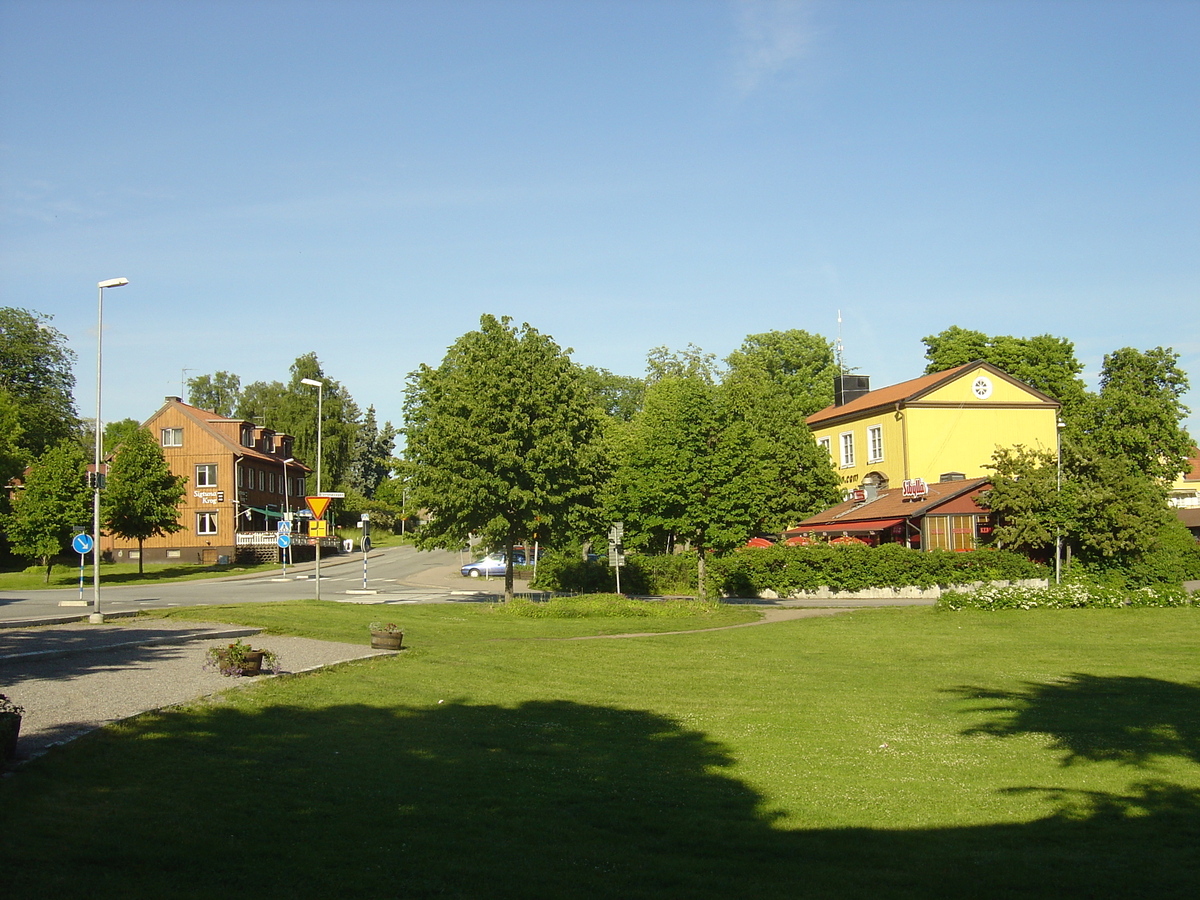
641, 575
852, 567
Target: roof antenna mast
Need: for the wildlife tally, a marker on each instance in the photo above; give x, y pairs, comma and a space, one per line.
837, 348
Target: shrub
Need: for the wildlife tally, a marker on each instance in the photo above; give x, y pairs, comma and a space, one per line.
643, 575
1064, 596
852, 567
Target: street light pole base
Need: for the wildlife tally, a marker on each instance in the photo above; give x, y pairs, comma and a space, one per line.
96, 618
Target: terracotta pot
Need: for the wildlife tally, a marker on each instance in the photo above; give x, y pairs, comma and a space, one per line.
387, 640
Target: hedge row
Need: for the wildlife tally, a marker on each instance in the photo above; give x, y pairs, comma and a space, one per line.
855, 567
1064, 596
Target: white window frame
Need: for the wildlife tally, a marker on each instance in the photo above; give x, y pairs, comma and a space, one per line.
209, 469
846, 449
175, 437
827, 445
262, 480
875, 443
206, 523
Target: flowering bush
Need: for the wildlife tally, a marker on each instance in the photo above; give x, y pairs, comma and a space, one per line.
1063, 596
382, 628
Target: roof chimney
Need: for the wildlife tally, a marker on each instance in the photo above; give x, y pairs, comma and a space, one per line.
169, 398
850, 387
952, 476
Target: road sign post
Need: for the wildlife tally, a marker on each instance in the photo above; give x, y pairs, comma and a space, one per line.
318, 505
82, 544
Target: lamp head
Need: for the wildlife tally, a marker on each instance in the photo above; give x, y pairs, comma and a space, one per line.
112, 282
312, 381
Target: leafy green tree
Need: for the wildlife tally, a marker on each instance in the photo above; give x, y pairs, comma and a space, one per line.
619, 396
662, 362
1138, 414
373, 448
680, 470
1044, 362
220, 392
55, 498
36, 371
502, 440
116, 433
12, 455
802, 364
789, 476
1025, 498
142, 497
292, 408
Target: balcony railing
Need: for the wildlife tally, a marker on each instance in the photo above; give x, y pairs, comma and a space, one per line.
269, 539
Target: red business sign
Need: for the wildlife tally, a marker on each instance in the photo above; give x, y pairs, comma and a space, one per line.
914, 488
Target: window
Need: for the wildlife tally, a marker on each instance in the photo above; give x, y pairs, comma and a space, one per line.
875, 444
262, 480
247, 436
268, 442
299, 492
950, 532
241, 477
206, 476
172, 437
271, 483
206, 523
823, 443
847, 444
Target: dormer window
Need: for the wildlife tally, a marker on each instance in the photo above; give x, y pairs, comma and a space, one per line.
247, 436
268, 442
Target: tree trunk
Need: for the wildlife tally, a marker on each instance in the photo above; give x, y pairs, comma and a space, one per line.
508, 568
700, 571
49, 563
140, 558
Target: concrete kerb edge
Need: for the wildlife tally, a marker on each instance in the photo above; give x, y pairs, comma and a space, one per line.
216, 635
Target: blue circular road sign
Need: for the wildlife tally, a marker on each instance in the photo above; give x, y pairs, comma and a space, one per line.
82, 543
284, 541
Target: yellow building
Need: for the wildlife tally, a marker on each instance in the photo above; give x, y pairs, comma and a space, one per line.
946, 422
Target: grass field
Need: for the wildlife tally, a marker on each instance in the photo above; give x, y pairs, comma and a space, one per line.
881, 753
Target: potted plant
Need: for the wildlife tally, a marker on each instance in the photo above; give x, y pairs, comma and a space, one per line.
239, 658
10, 727
387, 636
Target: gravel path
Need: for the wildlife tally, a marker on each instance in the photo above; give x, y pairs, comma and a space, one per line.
74, 678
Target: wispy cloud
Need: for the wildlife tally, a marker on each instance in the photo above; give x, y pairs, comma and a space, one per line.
772, 37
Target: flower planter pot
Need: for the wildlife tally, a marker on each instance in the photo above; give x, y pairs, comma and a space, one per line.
10, 729
251, 663
387, 640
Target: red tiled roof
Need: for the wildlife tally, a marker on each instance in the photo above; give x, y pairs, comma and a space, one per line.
887, 396
888, 506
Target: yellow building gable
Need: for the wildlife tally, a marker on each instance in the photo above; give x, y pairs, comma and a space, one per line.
951, 421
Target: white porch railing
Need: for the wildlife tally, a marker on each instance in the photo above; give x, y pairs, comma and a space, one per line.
269, 539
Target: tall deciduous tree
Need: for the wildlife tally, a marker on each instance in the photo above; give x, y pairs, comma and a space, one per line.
1044, 362
802, 364
117, 433
1138, 414
54, 500
142, 497
220, 392
12, 455
502, 437
35, 369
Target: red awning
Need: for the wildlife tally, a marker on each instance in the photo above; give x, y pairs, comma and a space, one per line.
838, 527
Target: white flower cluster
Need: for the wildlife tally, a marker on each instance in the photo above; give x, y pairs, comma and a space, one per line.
1063, 596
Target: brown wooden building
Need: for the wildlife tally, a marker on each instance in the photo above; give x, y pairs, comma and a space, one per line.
240, 480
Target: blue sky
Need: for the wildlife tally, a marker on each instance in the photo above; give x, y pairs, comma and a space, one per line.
365, 178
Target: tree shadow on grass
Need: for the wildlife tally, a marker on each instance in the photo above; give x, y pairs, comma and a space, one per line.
547, 799
1089, 718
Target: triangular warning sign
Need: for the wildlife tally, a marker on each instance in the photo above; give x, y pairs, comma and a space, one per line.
318, 505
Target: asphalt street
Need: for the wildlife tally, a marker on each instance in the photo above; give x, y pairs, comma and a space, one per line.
394, 574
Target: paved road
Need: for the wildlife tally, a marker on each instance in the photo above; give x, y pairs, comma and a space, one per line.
396, 573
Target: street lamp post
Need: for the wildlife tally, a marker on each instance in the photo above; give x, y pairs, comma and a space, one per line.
320, 386
97, 617
1058, 427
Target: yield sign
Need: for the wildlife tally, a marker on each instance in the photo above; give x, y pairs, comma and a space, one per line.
318, 505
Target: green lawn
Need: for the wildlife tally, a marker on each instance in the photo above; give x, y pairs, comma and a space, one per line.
878, 753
